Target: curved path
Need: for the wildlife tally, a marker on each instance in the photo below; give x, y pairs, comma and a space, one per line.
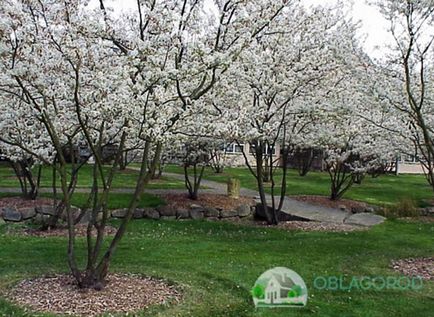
290, 206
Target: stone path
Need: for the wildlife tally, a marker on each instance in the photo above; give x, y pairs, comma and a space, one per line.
290, 206
299, 208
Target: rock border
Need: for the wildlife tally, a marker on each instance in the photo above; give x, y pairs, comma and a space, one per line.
39, 214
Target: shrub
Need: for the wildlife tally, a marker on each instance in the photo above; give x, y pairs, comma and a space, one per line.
405, 207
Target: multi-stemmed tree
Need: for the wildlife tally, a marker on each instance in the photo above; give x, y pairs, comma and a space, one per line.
71, 75
276, 88
408, 74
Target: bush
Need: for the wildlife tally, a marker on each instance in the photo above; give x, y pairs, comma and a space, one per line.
405, 207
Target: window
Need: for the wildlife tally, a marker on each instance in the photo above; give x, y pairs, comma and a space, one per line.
234, 148
267, 151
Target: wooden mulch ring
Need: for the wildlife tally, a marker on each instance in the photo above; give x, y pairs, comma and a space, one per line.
422, 267
19, 202
221, 202
123, 294
326, 202
80, 231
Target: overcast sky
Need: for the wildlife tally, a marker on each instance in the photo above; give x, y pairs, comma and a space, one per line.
373, 26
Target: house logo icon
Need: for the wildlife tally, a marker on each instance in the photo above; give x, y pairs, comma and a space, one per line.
279, 287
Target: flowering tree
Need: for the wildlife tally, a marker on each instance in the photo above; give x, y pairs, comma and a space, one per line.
74, 76
409, 71
280, 81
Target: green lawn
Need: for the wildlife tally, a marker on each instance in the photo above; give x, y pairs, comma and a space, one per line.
228, 258
116, 200
123, 179
387, 189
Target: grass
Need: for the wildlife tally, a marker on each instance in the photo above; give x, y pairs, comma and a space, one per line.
228, 258
123, 179
116, 200
384, 190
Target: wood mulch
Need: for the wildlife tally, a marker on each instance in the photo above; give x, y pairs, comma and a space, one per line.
19, 202
124, 294
301, 225
326, 202
221, 202
80, 231
422, 267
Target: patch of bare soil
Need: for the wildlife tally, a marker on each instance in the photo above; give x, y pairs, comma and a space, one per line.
123, 294
301, 225
80, 231
19, 202
221, 202
326, 202
422, 267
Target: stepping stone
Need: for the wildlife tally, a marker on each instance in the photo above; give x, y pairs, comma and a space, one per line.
364, 219
11, 214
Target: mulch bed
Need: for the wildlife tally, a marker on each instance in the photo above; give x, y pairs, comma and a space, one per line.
423, 219
80, 231
19, 202
326, 202
301, 225
422, 267
123, 294
221, 202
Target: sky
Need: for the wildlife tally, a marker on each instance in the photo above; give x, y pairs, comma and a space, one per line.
373, 28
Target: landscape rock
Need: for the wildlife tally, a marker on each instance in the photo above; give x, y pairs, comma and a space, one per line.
46, 210
365, 219
27, 213
212, 212
182, 214
40, 219
228, 213
244, 211
359, 209
2, 222
151, 213
119, 213
168, 218
167, 211
138, 213
11, 214
342, 207
196, 214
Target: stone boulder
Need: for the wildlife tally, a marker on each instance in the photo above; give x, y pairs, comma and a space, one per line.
196, 214
151, 213
138, 213
27, 213
166, 211
46, 210
11, 214
228, 213
244, 211
359, 209
182, 214
211, 213
120, 213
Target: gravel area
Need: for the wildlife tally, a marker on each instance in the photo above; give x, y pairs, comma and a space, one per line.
123, 294
423, 267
